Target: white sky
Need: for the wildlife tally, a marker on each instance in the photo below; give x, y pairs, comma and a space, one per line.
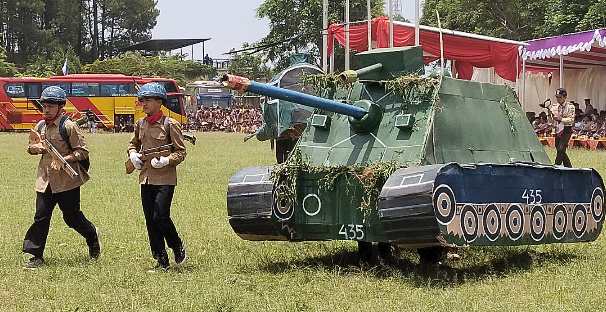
228, 23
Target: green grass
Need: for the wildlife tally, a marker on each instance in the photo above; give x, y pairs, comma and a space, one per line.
225, 273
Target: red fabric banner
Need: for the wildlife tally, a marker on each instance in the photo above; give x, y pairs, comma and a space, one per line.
467, 52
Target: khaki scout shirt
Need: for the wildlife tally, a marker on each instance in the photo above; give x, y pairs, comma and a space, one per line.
148, 136
59, 180
566, 111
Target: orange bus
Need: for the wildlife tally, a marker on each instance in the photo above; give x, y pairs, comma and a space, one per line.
112, 97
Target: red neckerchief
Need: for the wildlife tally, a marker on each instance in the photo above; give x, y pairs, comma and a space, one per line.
153, 118
50, 121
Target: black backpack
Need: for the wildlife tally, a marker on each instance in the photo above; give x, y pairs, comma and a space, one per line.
85, 163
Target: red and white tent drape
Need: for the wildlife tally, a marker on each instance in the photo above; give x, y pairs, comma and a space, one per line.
466, 50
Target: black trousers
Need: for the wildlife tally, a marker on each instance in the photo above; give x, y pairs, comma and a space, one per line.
156, 200
561, 144
283, 148
69, 203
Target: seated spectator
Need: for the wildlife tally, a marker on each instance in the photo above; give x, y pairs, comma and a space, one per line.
578, 125
601, 133
586, 128
531, 117
596, 123
542, 127
246, 120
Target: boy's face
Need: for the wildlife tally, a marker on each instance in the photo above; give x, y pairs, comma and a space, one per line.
151, 105
50, 110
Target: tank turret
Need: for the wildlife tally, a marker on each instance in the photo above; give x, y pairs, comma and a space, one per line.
284, 121
419, 162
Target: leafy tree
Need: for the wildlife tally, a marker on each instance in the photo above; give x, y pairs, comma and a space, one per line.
124, 23
296, 25
6, 69
510, 19
563, 16
63, 20
93, 28
594, 18
135, 64
250, 65
516, 19
22, 36
46, 67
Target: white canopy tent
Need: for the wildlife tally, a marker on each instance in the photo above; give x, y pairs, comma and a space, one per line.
581, 57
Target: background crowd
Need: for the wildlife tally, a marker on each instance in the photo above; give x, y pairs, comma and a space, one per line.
244, 120
588, 123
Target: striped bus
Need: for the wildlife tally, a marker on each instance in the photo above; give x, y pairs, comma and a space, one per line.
112, 97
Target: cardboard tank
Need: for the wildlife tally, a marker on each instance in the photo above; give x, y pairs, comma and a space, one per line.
418, 162
284, 121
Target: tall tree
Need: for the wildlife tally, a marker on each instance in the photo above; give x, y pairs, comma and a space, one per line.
115, 24
564, 16
127, 23
6, 69
296, 25
515, 19
45, 67
93, 28
136, 64
594, 18
22, 33
250, 65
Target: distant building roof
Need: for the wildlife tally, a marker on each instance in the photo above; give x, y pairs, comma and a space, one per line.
163, 44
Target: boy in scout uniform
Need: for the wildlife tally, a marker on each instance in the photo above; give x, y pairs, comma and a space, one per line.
54, 185
158, 176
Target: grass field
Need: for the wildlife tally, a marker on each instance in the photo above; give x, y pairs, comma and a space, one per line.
225, 273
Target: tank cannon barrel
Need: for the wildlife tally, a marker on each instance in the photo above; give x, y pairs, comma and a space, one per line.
349, 76
242, 84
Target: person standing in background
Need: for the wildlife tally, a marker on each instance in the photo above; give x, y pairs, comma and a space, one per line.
588, 107
562, 115
91, 117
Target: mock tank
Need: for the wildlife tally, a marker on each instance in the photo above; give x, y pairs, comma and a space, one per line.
423, 162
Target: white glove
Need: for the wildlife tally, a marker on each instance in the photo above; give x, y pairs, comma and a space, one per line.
135, 158
159, 162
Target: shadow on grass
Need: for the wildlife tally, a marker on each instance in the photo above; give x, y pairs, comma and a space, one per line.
474, 265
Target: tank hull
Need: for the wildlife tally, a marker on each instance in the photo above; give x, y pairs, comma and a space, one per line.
492, 205
445, 204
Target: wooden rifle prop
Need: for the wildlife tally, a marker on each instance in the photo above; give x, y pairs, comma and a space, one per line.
58, 160
162, 150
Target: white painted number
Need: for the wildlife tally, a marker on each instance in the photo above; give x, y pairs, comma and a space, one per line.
360, 229
532, 196
356, 231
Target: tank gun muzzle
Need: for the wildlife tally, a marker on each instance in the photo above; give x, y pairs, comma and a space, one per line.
350, 76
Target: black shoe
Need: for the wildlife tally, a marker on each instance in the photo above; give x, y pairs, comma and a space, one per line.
34, 263
162, 262
94, 249
180, 255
